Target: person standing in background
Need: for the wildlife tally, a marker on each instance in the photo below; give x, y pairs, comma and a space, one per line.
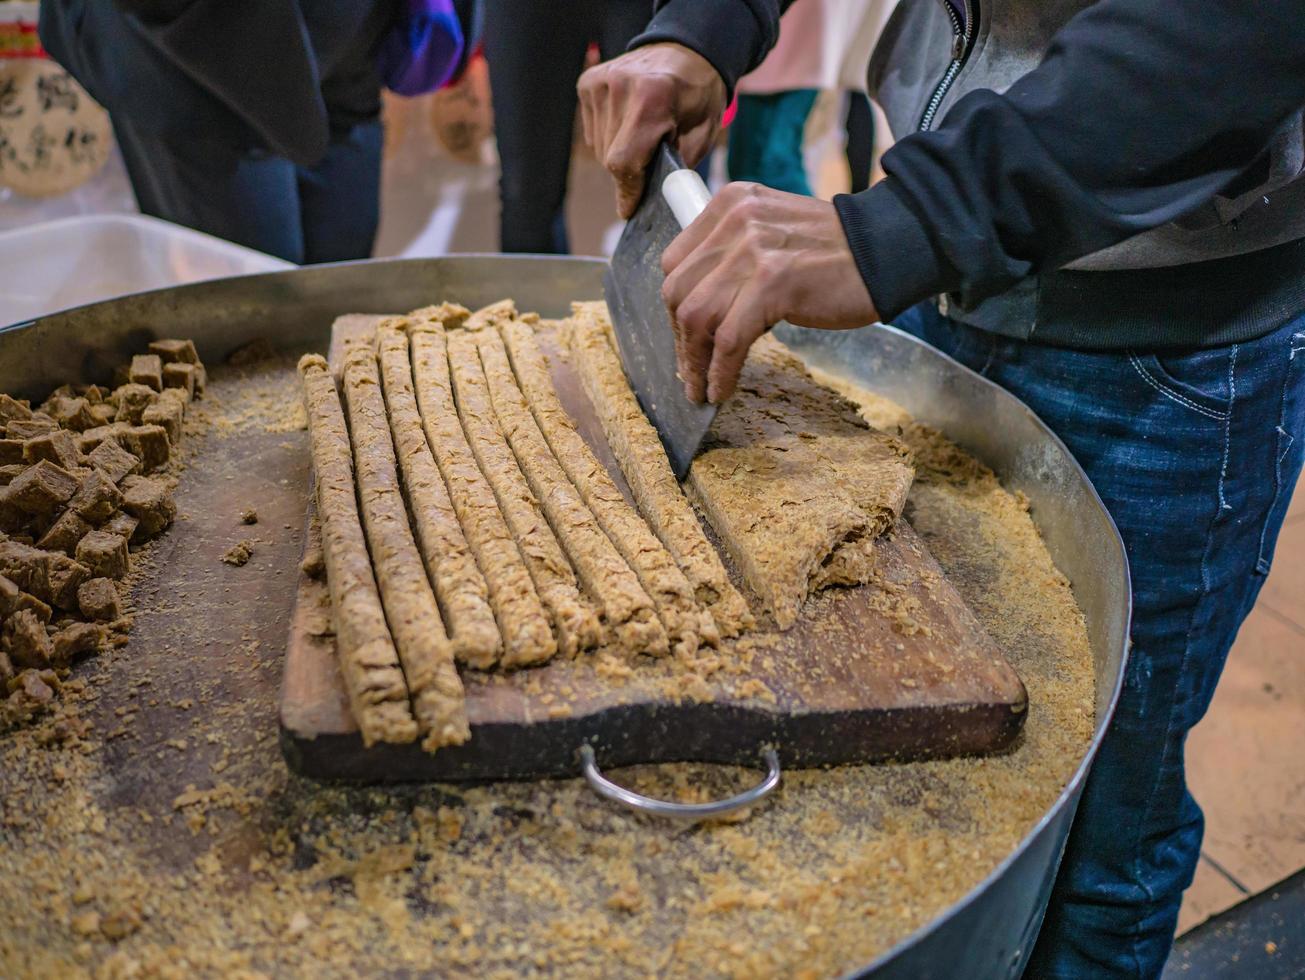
1099, 206
823, 46
536, 52
257, 121
774, 101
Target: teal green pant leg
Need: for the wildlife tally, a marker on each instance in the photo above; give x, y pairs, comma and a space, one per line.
766, 140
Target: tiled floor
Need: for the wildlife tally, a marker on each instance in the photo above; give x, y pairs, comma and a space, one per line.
1246, 767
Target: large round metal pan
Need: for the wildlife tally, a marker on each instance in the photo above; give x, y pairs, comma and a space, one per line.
990, 931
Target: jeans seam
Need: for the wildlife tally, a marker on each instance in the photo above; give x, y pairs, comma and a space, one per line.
1277, 465
1227, 429
1286, 440
1168, 392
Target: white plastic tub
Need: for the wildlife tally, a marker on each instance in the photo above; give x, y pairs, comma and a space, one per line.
73, 261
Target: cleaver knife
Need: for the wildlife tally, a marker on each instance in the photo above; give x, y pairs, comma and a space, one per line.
673, 196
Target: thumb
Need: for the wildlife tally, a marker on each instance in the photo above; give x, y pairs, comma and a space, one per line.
628, 193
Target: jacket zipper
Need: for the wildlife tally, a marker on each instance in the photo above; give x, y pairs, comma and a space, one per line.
962, 34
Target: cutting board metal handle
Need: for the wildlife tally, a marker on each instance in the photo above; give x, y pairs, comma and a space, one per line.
607, 789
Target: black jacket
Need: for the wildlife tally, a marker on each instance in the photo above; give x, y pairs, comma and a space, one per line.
1100, 174
272, 75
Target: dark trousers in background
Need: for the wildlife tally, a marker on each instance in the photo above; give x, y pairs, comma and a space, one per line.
1195, 454
324, 213
536, 52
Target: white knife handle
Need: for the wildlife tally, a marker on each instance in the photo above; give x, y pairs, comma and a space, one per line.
686, 195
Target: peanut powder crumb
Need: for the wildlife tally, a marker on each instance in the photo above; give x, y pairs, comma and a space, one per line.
240, 553
249, 870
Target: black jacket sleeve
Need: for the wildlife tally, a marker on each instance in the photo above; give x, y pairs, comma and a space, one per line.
1141, 111
734, 35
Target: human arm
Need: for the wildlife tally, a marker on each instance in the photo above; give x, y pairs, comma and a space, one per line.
675, 81
1137, 115
1141, 111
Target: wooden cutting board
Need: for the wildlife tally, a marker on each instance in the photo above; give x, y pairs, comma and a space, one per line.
900, 670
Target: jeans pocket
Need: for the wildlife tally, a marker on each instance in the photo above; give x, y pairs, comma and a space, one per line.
1289, 451
1200, 381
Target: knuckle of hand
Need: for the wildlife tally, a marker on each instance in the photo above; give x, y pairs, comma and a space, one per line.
754, 246
753, 209
693, 317
616, 84
648, 86
729, 345
731, 193
771, 273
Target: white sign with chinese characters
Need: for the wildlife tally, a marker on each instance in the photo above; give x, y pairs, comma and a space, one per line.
53, 136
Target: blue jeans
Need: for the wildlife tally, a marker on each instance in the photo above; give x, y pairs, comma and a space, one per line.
328, 212
1195, 454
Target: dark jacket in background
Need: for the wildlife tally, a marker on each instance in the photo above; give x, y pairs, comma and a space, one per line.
257, 121
1098, 174
272, 75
